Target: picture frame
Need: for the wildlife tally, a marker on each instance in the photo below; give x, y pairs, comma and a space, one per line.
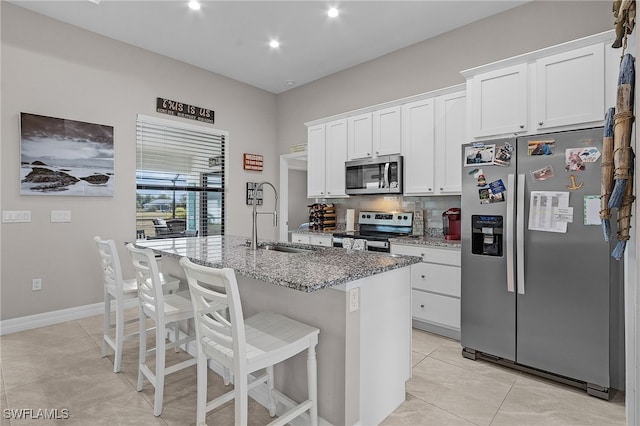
65, 157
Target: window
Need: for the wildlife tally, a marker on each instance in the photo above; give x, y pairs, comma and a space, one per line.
179, 179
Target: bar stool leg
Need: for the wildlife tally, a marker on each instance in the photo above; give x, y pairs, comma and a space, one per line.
142, 352
201, 399
106, 321
312, 383
270, 386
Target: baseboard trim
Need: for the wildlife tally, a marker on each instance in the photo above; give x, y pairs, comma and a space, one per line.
30, 322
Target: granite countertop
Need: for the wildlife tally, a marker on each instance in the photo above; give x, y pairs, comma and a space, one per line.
432, 241
320, 267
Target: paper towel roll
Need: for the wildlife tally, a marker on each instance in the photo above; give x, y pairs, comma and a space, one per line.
350, 219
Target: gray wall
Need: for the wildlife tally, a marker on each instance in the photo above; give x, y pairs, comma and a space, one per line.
436, 63
54, 69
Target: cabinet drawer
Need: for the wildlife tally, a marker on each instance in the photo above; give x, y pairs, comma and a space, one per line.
442, 310
436, 278
321, 241
429, 254
300, 238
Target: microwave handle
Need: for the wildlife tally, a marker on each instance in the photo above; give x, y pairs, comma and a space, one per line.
386, 175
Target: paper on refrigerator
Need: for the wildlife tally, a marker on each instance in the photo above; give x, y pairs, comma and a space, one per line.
544, 207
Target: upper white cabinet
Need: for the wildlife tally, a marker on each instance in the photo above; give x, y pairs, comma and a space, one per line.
360, 136
570, 87
498, 101
387, 131
418, 146
433, 130
327, 153
373, 134
450, 130
557, 88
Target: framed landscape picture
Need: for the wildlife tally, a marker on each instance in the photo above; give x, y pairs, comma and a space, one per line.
65, 157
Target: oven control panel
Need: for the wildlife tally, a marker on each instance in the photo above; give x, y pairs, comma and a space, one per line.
386, 218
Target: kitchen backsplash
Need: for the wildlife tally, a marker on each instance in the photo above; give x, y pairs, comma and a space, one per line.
427, 210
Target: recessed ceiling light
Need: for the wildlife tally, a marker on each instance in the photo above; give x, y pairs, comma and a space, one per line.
194, 5
274, 43
290, 83
333, 12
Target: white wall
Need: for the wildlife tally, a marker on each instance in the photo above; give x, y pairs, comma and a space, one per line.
54, 69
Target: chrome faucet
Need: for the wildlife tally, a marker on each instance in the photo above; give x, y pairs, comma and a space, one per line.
254, 229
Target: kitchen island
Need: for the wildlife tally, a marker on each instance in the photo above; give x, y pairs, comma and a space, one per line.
360, 301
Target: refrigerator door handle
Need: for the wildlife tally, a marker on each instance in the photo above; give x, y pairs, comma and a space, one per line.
509, 232
520, 233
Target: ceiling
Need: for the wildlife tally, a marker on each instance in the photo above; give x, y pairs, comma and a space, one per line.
231, 38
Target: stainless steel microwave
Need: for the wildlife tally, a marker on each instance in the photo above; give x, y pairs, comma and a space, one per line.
379, 175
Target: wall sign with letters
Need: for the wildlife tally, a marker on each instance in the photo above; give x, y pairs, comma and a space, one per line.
180, 109
252, 162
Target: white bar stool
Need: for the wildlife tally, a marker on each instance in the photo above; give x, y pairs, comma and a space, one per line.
166, 311
245, 346
118, 290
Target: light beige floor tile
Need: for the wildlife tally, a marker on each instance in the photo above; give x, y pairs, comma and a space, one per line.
536, 401
416, 358
77, 391
464, 393
425, 343
453, 356
128, 409
417, 412
42, 364
4, 420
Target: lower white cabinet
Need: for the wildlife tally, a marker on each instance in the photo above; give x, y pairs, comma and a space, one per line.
435, 288
313, 239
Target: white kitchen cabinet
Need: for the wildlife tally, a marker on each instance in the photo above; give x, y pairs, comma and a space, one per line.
450, 131
375, 133
433, 131
387, 131
360, 136
299, 238
435, 288
321, 240
313, 239
569, 87
418, 147
498, 101
326, 154
562, 87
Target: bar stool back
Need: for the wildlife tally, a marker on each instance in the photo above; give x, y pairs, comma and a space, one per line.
245, 345
117, 289
166, 311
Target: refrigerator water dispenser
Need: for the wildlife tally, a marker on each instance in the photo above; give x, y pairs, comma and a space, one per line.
486, 235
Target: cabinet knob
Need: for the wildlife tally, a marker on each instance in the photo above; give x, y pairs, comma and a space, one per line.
368, 153
441, 189
377, 153
422, 276
328, 193
539, 123
422, 254
429, 189
422, 306
522, 126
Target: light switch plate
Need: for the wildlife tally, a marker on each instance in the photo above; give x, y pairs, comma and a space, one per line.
16, 216
60, 216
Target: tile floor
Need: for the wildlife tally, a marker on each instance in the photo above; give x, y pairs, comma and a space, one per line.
59, 367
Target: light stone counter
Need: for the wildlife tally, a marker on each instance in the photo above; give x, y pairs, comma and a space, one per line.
320, 268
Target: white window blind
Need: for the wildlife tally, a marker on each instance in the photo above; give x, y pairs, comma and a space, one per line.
180, 179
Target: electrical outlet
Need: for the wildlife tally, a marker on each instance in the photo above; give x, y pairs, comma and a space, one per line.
36, 284
354, 299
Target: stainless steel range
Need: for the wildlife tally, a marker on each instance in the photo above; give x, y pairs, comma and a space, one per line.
376, 228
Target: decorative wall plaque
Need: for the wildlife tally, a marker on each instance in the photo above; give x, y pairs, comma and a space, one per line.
252, 192
252, 162
180, 109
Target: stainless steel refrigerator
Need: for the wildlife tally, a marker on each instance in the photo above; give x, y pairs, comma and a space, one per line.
540, 290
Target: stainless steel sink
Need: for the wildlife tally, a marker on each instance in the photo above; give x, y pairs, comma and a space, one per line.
285, 249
